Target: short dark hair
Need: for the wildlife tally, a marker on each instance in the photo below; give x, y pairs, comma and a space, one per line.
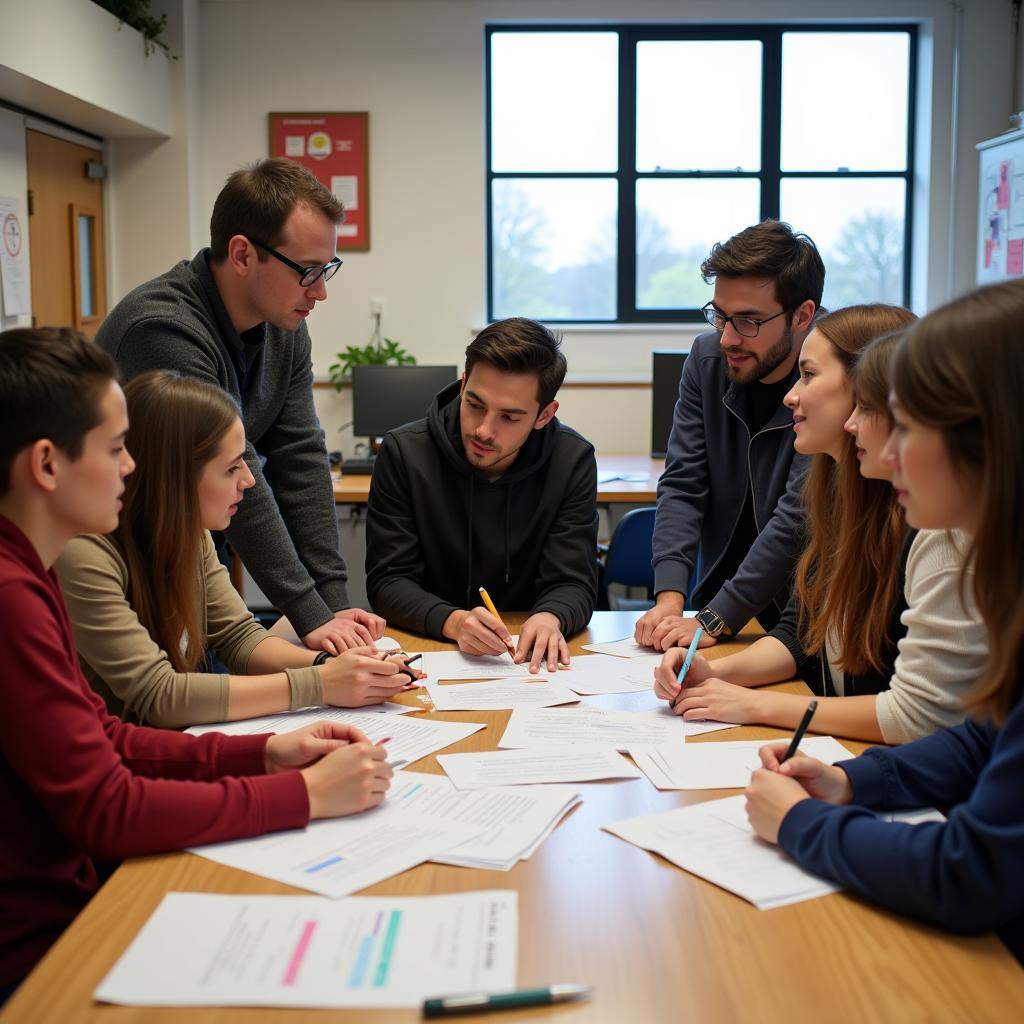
518, 345
771, 249
258, 199
51, 384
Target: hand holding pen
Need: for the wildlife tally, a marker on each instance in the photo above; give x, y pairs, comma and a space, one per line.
500, 629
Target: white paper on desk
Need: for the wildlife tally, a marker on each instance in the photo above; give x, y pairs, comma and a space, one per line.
516, 820
526, 767
719, 765
305, 951
599, 673
411, 738
456, 665
571, 728
339, 856
627, 646
715, 841
498, 694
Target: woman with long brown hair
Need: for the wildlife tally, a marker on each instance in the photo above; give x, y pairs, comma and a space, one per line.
150, 599
958, 378
875, 625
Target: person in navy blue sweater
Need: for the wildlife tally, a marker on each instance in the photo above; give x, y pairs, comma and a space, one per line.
959, 464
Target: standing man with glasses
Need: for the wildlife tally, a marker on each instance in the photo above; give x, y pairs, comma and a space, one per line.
234, 316
730, 493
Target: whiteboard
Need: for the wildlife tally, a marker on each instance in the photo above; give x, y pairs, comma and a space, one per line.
1001, 208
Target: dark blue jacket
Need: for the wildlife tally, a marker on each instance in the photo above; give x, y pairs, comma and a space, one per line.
965, 874
712, 459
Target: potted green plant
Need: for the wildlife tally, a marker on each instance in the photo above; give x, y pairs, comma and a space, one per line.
379, 351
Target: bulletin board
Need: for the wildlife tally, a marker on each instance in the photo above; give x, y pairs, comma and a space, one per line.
1001, 208
336, 148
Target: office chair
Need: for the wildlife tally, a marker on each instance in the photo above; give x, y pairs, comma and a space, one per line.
627, 561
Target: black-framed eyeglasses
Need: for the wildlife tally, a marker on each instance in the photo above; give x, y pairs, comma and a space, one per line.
743, 325
308, 276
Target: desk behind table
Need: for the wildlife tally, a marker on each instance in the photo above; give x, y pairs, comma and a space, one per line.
657, 943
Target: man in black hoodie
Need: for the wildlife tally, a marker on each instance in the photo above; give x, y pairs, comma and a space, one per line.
490, 490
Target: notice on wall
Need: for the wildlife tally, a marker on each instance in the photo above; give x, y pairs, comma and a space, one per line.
14, 269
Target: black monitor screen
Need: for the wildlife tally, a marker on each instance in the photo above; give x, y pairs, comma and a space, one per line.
385, 397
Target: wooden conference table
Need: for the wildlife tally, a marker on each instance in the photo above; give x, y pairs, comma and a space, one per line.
657, 943
353, 490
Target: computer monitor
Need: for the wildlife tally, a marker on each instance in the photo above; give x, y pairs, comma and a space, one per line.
385, 397
667, 369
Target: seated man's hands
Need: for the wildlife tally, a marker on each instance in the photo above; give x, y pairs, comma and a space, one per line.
541, 641
478, 632
352, 627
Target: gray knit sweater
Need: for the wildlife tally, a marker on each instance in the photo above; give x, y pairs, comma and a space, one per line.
286, 529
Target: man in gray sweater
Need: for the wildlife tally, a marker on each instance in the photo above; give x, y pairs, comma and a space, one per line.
235, 316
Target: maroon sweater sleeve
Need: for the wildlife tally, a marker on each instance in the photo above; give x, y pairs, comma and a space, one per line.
112, 789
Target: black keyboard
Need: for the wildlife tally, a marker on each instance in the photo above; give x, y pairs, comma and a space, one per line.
357, 467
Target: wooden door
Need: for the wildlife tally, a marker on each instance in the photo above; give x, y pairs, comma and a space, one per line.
65, 234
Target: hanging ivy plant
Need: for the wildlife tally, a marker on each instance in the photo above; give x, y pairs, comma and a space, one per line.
138, 14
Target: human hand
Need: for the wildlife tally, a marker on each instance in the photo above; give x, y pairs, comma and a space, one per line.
666, 685
675, 631
541, 640
668, 602
302, 747
347, 781
346, 629
770, 797
479, 632
716, 700
364, 676
822, 781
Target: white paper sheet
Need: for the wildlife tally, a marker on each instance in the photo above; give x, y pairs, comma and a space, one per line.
525, 767
599, 728
497, 695
715, 841
719, 765
627, 647
410, 738
342, 855
515, 819
456, 665
599, 673
305, 951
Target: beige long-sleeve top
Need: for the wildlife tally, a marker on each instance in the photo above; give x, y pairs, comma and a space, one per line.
943, 652
126, 666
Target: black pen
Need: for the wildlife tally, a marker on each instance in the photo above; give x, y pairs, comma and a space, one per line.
800, 730
405, 668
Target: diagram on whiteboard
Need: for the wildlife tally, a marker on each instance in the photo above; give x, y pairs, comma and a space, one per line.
1001, 209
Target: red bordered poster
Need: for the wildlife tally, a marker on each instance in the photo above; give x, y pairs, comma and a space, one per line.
336, 148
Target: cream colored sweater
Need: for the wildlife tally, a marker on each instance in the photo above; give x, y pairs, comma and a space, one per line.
944, 649
126, 666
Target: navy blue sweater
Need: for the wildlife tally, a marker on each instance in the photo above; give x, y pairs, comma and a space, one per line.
964, 874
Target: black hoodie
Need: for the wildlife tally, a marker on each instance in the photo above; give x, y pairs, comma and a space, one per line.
437, 529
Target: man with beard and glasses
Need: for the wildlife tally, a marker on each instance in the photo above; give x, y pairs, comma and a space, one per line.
489, 490
728, 529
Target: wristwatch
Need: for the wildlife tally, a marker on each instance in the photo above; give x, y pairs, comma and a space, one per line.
712, 623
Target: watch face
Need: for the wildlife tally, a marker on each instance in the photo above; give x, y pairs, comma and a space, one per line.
711, 623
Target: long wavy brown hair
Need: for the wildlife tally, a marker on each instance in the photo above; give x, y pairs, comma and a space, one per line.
176, 425
846, 579
961, 370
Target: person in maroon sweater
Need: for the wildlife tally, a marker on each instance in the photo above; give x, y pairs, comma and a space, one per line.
75, 782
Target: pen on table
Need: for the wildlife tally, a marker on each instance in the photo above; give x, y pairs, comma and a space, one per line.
475, 1002
394, 764
800, 730
494, 611
681, 675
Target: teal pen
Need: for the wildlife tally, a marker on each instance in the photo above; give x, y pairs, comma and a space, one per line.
477, 1002
698, 633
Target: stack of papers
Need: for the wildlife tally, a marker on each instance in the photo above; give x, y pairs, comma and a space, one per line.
627, 646
524, 767
599, 673
456, 665
304, 951
410, 738
715, 841
723, 765
515, 820
599, 728
498, 694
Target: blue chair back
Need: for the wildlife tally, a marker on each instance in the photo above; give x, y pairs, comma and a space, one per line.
630, 550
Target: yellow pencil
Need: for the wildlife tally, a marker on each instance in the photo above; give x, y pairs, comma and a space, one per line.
494, 611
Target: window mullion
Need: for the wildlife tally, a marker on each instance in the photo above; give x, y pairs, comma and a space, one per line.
626, 242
